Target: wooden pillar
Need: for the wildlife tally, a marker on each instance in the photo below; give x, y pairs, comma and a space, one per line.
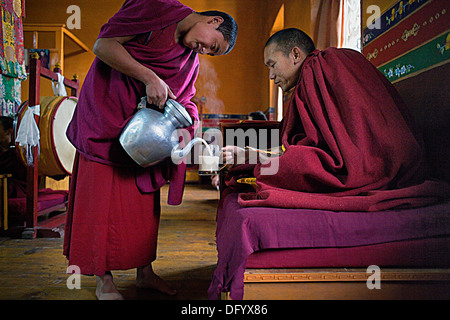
32, 171
4, 199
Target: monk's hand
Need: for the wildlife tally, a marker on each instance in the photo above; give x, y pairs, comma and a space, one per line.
233, 155
158, 92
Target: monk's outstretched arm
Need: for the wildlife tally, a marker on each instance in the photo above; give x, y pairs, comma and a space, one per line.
237, 155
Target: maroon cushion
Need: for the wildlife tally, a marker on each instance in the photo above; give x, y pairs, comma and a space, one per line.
47, 198
428, 252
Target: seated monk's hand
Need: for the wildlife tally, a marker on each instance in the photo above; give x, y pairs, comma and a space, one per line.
233, 155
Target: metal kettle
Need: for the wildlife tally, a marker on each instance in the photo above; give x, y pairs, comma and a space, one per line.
149, 137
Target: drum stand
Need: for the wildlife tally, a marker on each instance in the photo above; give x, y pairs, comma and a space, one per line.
32, 227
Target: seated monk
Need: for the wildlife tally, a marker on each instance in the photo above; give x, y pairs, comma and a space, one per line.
10, 161
348, 143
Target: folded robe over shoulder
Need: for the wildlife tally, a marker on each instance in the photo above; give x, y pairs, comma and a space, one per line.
349, 142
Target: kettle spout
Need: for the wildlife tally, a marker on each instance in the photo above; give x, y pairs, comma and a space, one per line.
177, 154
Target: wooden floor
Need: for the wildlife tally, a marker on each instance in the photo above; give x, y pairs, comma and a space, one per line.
36, 269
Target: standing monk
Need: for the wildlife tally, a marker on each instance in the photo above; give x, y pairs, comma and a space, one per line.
148, 48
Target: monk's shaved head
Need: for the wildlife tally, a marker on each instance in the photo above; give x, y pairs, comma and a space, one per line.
287, 39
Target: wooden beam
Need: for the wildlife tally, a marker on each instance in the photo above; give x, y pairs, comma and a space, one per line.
32, 171
343, 274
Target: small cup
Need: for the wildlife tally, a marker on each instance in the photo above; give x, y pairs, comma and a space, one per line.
208, 165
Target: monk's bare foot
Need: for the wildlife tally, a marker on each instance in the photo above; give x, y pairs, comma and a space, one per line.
106, 289
147, 279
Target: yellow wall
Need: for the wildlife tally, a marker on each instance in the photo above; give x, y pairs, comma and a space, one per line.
93, 15
238, 80
298, 15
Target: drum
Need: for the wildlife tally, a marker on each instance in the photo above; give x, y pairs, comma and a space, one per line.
56, 152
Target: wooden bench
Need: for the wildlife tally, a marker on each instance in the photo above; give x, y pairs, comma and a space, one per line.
344, 283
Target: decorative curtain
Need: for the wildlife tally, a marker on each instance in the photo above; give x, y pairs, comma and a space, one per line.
325, 22
350, 25
11, 55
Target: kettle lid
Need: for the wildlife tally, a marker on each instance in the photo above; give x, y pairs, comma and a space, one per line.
179, 112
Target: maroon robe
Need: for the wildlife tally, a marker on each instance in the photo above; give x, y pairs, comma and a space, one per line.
113, 215
109, 98
350, 145
10, 162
